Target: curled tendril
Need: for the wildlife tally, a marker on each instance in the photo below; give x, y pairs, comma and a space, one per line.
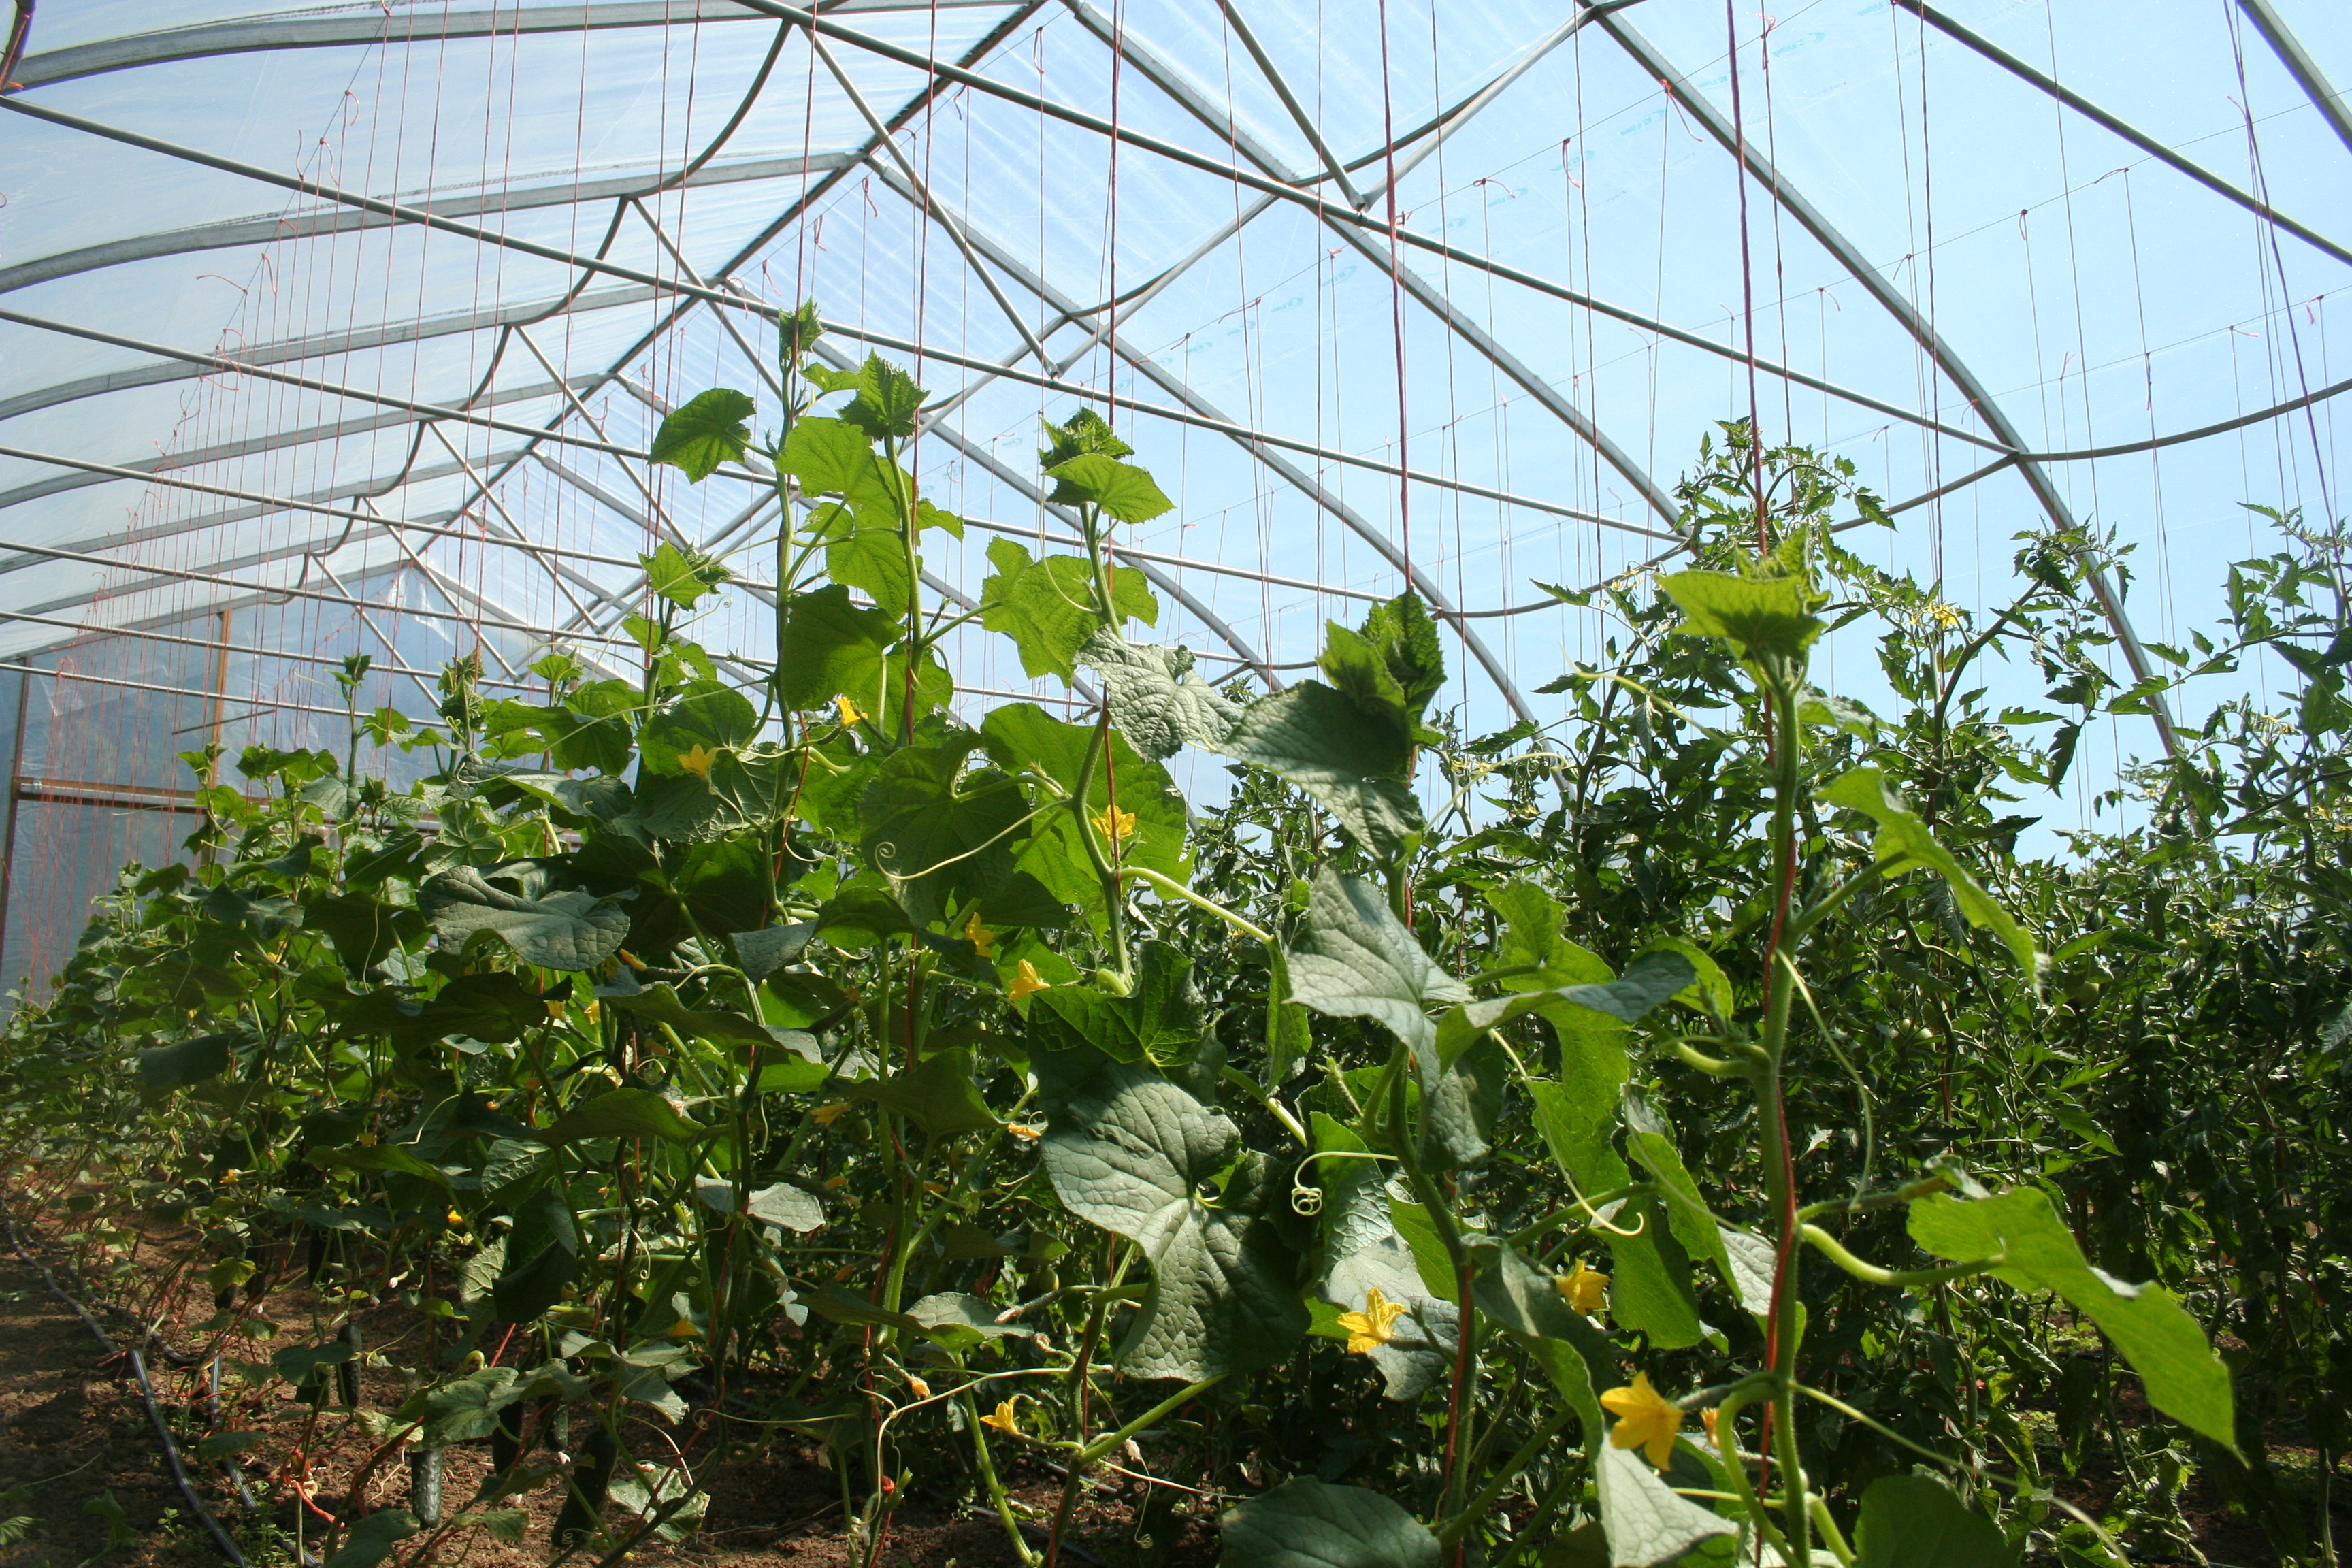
1307, 1201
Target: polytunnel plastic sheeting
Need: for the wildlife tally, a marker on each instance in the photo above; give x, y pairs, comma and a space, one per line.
311, 423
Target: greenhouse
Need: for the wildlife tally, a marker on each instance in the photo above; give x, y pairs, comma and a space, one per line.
1080, 782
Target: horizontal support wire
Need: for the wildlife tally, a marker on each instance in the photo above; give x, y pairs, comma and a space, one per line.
275, 591
289, 503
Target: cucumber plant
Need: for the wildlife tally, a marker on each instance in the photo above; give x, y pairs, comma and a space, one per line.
711, 1058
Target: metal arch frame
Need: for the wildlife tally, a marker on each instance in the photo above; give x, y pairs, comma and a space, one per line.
2331, 104
2161, 151
276, 440
202, 40
1188, 96
939, 73
1303, 194
321, 345
228, 233
1255, 444
1753, 164
705, 293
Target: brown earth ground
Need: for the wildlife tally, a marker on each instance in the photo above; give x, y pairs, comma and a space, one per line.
78, 1452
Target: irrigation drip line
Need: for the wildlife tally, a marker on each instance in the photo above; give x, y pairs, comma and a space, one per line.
146, 1393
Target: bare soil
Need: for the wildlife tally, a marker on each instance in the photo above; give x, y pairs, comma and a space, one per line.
74, 1435
76, 1453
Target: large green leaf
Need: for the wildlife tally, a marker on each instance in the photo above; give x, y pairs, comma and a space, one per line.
1759, 617
1905, 841
937, 1092
1303, 1523
1047, 606
1354, 959
1355, 768
781, 1204
1161, 1014
724, 882
1647, 982
1647, 1524
184, 1063
681, 577
527, 1290
618, 1113
1156, 701
1650, 1139
832, 648
1121, 491
888, 400
364, 929
566, 929
1390, 668
705, 718
1577, 1116
1915, 1522
939, 830
701, 434
372, 1539
1520, 1296
1131, 1152
494, 1007
2036, 1252
659, 1002
868, 551
832, 457
1021, 735
1424, 1343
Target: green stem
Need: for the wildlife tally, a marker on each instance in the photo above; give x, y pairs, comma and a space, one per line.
1086, 1458
1171, 885
1780, 1164
1454, 1529
1871, 1273
1114, 904
996, 1493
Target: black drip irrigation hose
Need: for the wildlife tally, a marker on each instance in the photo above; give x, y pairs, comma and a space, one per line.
221, 1537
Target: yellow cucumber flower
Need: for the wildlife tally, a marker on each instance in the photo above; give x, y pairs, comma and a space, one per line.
1586, 1290
848, 710
977, 934
1114, 824
826, 1115
1003, 1420
697, 760
1375, 1325
1646, 1419
1026, 982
